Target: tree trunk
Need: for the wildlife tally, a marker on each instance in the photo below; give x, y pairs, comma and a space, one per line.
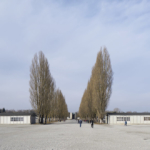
42, 119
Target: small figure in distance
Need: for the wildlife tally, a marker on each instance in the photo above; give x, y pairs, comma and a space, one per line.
125, 123
92, 122
80, 122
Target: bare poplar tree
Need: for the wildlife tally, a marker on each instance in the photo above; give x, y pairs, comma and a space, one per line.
45, 100
96, 97
52, 94
103, 78
83, 105
40, 80
34, 85
61, 106
89, 99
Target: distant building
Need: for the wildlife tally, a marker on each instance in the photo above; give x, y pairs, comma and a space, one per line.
131, 118
75, 115
17, 118
71, 115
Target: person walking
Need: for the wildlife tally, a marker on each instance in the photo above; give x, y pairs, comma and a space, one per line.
125, 122
92, 123
80, 122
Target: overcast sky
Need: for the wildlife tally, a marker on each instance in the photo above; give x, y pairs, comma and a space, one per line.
70, 33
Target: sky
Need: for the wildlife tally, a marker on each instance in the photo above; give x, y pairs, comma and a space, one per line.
70, 33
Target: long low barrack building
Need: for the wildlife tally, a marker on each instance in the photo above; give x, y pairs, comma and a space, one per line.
131, 118
17, 118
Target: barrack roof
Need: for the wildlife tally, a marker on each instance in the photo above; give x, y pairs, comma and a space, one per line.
148, 113
17, 114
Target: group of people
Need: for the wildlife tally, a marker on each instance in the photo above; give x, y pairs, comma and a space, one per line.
91, 121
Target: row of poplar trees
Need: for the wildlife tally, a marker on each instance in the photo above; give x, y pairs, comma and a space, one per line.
97, 94
46, 100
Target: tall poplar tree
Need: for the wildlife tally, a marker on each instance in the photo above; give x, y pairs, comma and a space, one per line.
96, 97
40, 81
102, 78
45, 100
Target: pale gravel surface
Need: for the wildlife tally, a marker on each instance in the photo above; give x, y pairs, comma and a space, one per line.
69, 136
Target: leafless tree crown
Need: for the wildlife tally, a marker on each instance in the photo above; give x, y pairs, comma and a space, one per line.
44, 97
96, 97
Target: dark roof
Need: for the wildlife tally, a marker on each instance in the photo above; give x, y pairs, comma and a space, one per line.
128, 114
17, 114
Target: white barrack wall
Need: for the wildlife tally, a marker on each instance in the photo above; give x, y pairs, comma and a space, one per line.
14, 118
131, 118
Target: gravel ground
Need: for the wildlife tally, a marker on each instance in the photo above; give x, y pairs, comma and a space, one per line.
69, 136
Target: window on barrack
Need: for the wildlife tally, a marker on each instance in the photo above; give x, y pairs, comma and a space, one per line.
146, 118
123, 118
16, 119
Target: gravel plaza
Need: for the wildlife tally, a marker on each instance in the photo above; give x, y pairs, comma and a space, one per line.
69, 136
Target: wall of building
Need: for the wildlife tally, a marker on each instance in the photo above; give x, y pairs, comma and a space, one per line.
70, 115
7, 120
134, 119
